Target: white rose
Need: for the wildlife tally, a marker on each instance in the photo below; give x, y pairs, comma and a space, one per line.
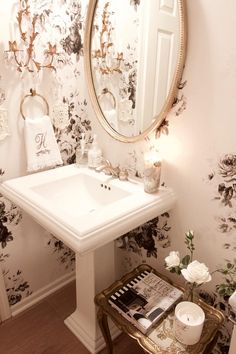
172, 260
196, 272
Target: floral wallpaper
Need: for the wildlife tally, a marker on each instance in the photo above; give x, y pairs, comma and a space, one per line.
69, 137
72, 43
227, 172
63, 253
135, 3
197, 139
213, 299
147, 237
16, 286
9, 214
222, 180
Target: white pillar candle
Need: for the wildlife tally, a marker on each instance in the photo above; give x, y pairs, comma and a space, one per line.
188, 322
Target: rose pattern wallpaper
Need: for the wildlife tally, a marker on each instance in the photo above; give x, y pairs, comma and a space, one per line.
68, 138
10, 216
222, 179
72, 43
63, 253
149, 241
145, 239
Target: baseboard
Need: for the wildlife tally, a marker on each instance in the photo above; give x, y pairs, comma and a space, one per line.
42, 293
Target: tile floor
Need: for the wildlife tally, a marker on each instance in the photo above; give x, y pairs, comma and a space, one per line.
40, 330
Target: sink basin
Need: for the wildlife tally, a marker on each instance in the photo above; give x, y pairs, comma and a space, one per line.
84, 208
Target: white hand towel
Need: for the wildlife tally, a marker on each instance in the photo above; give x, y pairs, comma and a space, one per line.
41, 147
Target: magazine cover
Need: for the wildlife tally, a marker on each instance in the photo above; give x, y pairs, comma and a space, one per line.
145, 299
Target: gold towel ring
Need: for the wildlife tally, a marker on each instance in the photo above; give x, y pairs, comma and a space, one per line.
106, 91
33, 93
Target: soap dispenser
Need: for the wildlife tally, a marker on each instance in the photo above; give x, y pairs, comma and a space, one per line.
94, 154
81, 153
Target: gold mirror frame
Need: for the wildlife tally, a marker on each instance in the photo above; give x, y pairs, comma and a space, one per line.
173, 89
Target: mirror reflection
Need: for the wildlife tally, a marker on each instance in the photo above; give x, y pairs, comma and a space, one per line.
134, 53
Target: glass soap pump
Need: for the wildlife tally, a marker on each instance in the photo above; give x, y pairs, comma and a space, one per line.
81, 153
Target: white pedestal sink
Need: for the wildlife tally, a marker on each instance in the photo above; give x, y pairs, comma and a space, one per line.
87, 211
95, 271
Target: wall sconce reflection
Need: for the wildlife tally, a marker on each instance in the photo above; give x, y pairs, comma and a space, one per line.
108, 62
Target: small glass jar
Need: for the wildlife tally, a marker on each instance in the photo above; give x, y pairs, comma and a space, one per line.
81, 156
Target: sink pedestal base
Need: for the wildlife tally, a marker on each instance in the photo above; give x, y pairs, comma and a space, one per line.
95, 271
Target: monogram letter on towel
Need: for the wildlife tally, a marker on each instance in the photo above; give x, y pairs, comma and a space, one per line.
41, 147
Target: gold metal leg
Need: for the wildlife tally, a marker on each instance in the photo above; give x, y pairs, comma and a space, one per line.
103, 324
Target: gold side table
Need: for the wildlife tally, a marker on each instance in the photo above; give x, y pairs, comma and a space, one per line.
160, 339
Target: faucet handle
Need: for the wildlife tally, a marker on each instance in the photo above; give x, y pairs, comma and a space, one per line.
108, 169
123, 174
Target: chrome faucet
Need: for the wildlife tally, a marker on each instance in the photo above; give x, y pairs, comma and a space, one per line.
116, 172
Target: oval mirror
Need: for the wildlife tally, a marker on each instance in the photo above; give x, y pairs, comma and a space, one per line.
134, 55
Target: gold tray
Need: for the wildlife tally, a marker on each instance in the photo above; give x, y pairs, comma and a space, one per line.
160, 339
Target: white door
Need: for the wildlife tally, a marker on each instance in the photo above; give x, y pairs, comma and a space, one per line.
157, 58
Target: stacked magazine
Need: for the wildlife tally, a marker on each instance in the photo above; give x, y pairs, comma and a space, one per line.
145, 299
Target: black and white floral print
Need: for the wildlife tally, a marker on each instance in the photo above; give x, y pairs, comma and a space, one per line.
9, 215
223, 178
230, 246
147, 236
3, 257
5, 234
226, 224
64, 254
226, 180
163, 128
227, 168
72, 44
128, 79
17, 288
135, 3
223, 342
227, 189
69, 138
178, 107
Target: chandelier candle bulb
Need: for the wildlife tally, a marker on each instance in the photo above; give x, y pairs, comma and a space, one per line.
152, 172
188, 322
